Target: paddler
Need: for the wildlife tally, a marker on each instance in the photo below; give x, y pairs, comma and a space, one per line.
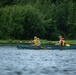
36, 41
61, 41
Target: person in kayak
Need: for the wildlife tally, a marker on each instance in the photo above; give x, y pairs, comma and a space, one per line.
36, 41
61, 41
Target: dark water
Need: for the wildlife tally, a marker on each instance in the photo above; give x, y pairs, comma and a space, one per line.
37, 62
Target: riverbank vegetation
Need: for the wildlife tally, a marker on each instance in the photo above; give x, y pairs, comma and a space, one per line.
49, 42
22, 19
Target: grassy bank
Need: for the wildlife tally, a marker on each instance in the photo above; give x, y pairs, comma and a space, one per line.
42, 41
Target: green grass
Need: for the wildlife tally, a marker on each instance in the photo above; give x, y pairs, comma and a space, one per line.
42, 41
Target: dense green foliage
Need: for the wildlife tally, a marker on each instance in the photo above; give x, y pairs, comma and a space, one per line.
22, 19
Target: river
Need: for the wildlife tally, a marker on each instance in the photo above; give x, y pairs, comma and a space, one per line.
15, 61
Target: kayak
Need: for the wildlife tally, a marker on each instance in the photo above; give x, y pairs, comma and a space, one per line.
24, 46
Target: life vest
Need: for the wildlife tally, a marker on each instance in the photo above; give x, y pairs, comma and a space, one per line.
62, 42
36, 42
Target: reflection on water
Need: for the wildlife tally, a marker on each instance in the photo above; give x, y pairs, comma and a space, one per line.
37, 62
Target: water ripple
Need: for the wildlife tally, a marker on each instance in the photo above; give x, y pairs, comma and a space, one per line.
31, 62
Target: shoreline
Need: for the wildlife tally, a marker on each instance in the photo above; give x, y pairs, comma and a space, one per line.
42, 41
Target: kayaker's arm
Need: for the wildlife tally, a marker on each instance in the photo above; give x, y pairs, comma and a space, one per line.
31, 42
39, 43
59, 43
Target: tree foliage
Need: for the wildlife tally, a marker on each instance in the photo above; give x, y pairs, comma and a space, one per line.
22, 19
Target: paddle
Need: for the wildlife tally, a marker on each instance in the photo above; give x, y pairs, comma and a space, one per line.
43, 48
37, 46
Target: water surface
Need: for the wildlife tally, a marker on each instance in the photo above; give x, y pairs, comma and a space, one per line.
15, 61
